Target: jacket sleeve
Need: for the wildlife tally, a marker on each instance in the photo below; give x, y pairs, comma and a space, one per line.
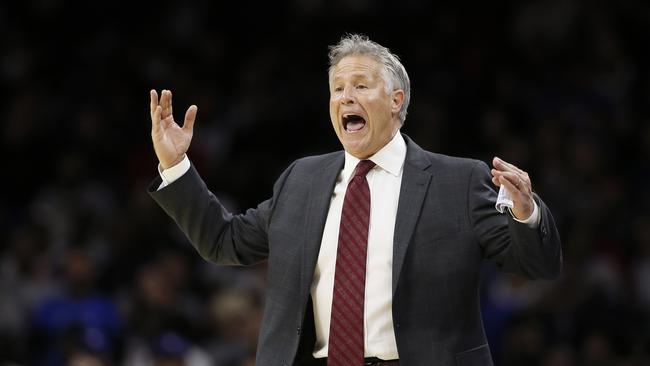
515, 247
215, 233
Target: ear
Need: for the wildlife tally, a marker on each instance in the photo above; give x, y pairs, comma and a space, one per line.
397, 99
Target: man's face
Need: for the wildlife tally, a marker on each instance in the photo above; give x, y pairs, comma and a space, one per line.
364, 116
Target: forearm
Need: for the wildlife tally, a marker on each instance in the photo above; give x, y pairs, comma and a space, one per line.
215, 233
533, 252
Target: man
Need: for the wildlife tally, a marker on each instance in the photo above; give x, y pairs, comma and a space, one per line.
373, 253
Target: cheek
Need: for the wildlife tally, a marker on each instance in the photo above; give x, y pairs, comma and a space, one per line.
378, 107
333, 113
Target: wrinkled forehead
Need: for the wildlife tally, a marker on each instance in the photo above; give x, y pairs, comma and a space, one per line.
355, 67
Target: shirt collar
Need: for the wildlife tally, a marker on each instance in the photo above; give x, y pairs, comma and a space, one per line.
389, 158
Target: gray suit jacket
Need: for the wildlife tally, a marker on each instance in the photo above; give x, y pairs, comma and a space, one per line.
446, 225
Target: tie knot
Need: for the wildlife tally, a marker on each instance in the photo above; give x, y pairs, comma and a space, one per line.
363, 168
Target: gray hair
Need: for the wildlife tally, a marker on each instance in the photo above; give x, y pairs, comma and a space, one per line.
395, 75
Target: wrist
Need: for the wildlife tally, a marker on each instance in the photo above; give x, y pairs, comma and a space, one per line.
166, 165
532, 220
174, 172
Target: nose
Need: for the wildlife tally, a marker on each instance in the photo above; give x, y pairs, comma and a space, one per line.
347, 97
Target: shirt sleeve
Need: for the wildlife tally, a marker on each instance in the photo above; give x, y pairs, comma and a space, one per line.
532, 221
171, 174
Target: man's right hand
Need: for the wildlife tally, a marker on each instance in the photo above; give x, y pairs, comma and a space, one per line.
170, 141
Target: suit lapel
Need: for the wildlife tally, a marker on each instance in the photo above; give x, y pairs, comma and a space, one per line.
415, 183
320, 196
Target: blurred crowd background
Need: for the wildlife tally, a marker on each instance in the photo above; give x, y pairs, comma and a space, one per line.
92, 272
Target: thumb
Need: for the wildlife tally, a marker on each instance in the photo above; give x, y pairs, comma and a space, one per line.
190, 117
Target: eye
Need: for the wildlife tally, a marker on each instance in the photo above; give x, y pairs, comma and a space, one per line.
361, 86
338, 89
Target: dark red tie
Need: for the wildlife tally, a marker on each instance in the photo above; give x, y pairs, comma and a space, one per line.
346, 344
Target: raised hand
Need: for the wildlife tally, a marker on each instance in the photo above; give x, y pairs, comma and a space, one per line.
518, 184
170, 141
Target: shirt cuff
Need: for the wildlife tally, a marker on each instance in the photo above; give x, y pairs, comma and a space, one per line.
533, 220
171, 174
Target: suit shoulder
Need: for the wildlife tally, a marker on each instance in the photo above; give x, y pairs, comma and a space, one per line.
457, 171
453, 162
314, 163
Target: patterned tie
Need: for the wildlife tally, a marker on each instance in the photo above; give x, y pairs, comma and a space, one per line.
346, 343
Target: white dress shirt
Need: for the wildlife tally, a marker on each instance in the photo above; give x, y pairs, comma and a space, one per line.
170, 174
384, 181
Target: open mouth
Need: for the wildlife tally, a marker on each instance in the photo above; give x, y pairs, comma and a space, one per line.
353, 122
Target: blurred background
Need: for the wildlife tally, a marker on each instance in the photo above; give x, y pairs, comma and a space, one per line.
92, 272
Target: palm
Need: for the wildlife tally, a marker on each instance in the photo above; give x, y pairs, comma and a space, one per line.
170, 141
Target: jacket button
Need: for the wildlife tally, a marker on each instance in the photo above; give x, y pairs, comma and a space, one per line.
298, 330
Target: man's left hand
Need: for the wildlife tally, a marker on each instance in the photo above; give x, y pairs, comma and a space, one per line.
518, 184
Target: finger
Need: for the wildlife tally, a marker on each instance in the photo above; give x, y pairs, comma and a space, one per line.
520, 180
164, 103
513, 167
155, 120
509, 185
515, 177
170, 102
504, 165
163, 98
153, 96
501, 164
190, 117
514, 181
